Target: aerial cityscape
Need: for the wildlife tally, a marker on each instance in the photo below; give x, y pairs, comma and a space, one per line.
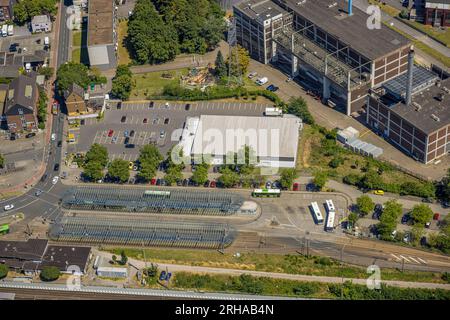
225, 150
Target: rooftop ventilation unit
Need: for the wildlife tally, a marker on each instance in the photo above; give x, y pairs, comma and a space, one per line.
435, 117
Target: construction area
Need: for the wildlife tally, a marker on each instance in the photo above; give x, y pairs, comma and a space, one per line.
198, 77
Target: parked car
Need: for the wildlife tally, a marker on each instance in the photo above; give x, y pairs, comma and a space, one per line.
44, 177
427, 200
296, 187
206, 184
162, 276
428, 225
114, 140
130, 146
119, 105
30, 135
436, 216
125, 133
127, 140
55, 180
123, 119
151, 105
168, 276
53, 136
110, 132
406, 218
187, 107
59, 144
8, 207
378, 192
252, 74
166, 120
212, 184
158, 182
38, 193
56, 167
131, 133
179, 183
145, 120
153, 181
268, 184
130, 165
162, 134
272, 88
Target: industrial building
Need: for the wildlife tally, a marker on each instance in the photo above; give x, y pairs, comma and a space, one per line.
31, 256
102, 37
273, 140
326, 44
413, 113
437, 13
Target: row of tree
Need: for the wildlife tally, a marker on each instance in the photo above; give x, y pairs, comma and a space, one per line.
122, 83
73, 72
25, 10
160, 29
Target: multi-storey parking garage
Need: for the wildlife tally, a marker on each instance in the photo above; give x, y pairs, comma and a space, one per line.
148, 232
162, 200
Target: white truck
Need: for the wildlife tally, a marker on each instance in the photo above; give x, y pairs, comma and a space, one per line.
262, 81
5, 30
273, 112
10, 30
46, 41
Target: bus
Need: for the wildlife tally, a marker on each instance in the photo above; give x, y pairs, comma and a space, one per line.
266, 193
330, 221
4, 228
316, 213
330, 205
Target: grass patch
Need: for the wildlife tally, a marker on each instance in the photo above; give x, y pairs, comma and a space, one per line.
292, 264
76, 38
152, 83
123, 54
438, 33
80, 55
281, 287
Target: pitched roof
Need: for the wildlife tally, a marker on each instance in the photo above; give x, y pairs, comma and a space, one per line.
23, 92
74, 88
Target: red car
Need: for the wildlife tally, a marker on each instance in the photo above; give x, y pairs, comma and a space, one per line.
436, 216
153, 181
295, 187
110, 133
212, 184
145, 120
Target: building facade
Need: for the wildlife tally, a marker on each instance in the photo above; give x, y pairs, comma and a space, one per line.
41, 23
74, 100
437, 13
6, 10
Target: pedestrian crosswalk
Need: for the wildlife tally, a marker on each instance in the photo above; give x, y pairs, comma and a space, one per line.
407, 259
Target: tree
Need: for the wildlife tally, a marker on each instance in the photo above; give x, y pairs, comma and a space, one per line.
49, 274
123, 258
287, 177
151, 39
243, 61
365, 205
200, 174
352, 218
93, 171
228, 177
372, 180
2, 161
27, 9
320, 179
118, 170
122, 83
47, 72
221, 67
3, 270
97, 153
389, 218
151, 271
299, 108
72, 72
149, 159
174, 171
421, 214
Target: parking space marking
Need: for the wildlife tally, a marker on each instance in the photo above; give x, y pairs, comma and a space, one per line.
414, 260
404, 258
421, 260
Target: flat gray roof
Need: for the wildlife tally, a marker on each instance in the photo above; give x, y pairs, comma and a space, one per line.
429, 106
100, 22
351, 30
232, 133
260, 9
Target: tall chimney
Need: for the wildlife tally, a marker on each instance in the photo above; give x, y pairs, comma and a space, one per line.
409, 81
350, 7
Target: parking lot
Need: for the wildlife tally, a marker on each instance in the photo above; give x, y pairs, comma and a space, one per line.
160, 124
24, 40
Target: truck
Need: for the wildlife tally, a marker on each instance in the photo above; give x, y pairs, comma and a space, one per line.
262, 81
10, 30
5, 30
273, 112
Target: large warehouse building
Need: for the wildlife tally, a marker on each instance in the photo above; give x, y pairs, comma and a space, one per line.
274, 140
102, 38
326, 44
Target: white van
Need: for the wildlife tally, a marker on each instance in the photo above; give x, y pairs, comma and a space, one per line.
10, 30
262, 81
46, 41
5, 30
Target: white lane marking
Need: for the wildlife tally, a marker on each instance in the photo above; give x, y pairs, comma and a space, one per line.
404, 258
421, 260
396, 257
414, 260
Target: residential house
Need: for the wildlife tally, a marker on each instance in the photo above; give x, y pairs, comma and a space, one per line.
74, 100
20, 108
41, 23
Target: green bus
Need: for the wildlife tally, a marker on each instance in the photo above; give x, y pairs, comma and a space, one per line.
262, 193
4, 228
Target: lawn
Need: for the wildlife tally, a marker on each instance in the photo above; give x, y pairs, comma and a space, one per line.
440, 34
124, 56
152, 83
76, 39
76, 55
293, 264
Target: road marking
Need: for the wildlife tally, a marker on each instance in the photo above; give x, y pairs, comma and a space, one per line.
414, 260
404, 258
396, 257
421, 260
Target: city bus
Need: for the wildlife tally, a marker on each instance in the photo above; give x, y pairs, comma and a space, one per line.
266, 193
331, 215
316, 213
4, 228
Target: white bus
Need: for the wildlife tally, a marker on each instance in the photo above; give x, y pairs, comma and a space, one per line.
330, 205
316, 212
330, 221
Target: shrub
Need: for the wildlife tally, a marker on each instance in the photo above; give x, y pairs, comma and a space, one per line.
3, 270
49, 274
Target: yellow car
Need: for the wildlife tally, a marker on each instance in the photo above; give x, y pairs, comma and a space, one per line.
379, 192
130, 165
